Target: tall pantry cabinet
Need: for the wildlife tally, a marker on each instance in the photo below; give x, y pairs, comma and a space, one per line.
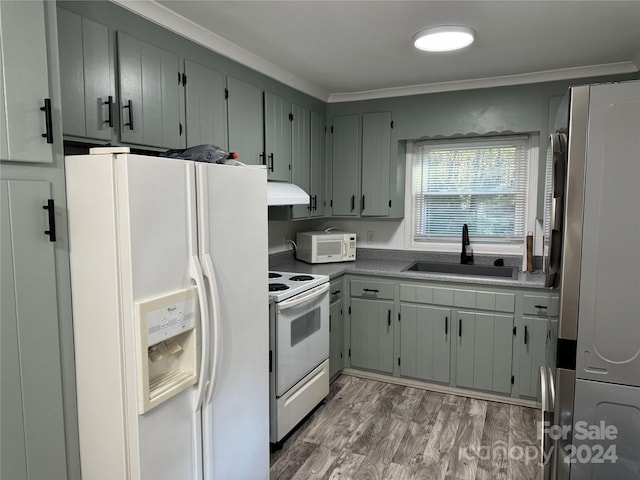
37, 393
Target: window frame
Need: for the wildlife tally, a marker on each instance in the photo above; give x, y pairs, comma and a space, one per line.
484, 247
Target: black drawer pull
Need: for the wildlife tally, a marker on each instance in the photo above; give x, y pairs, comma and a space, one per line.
109, 103
460, 327
48, 133
446, 326
129, 106
370, 290
335, 292
541, 306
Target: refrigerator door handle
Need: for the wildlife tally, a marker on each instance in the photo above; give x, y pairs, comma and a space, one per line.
198, 278
209, 273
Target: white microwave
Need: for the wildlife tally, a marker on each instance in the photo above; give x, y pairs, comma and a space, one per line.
325, 247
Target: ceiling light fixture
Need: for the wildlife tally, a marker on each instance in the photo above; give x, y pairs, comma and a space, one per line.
443, 39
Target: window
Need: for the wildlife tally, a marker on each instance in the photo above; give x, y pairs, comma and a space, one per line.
481, 182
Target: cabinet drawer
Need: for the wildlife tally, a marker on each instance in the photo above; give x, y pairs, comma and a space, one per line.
540, 305
497, 302
426, 294
372, 289
336, 291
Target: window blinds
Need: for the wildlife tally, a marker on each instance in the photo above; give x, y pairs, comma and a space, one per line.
482, 182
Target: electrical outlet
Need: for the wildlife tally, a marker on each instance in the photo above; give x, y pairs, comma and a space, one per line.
370, 236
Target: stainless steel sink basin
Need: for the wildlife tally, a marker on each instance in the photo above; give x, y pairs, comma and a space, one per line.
460, 269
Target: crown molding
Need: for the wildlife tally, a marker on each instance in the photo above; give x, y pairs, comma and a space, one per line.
184, 27
535, 77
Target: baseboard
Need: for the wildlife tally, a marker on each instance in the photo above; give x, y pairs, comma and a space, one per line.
406, 382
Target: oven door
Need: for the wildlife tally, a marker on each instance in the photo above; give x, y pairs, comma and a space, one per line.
302, 336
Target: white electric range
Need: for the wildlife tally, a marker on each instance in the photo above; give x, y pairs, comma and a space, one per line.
299, 348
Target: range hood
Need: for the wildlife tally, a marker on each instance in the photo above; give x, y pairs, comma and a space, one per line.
280, 193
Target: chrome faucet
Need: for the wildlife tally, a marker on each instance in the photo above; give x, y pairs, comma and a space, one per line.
466, 258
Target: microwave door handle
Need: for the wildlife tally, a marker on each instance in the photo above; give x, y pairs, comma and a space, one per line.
303, 297
344, 248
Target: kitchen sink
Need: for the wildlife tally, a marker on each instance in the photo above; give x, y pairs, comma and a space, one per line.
460, 269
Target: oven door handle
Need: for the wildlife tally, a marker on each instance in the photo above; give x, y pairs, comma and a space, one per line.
303, 297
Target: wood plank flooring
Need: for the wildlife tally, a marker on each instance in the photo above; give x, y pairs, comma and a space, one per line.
370, 430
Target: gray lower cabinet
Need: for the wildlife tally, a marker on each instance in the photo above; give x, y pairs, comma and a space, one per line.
86, 77
336, 329
277, 136
425, 342
149, 94
376, 151
533, 339
31, 407
484, 351
372, 334
26, 124
206, 120
245, 121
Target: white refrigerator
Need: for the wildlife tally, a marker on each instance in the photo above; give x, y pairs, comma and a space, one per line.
170, 312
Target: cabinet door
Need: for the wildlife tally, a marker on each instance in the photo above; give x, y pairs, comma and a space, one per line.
277, 129
533, 339
85, 77
301, 157
318, 163
149, 94
25, 84
33, 438
425, 342
346, 165
206, 107
336, 338
376, 151
372, 334
244, 110
484, 351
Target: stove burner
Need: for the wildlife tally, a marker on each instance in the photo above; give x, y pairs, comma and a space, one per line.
274, 275
301, 278
277, 287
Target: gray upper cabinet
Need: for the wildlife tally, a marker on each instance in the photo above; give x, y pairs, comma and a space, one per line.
245, 121
26, 122
346, 165
33, 436
205, 105
376, 151
301, 157
149, 80
277, 129
86, 77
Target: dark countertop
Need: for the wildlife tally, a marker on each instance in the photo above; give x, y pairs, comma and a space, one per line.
393, 268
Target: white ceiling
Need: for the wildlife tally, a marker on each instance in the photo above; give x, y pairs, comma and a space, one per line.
346, 50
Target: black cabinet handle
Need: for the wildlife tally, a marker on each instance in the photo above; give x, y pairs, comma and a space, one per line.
388, 318
526, 334
48, 122
129, 106
315, 202
460, 327
363, 202
329, 323
271, 162
353, 202
372, 290
446, 326
541, 306
109, 103
335, 292
50, 207
262, 160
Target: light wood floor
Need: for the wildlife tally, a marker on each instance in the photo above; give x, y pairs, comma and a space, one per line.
373, 430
